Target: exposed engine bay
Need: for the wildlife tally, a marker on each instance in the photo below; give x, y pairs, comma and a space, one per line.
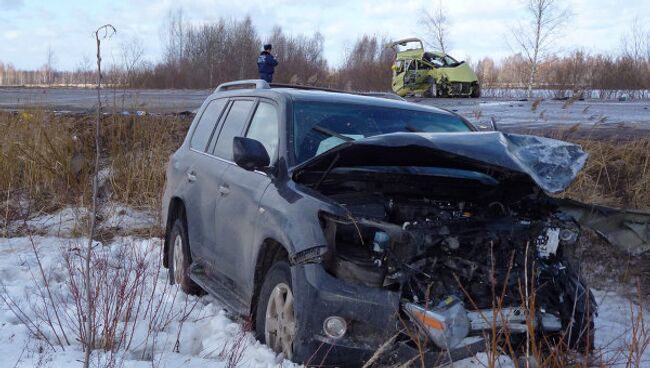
456, 256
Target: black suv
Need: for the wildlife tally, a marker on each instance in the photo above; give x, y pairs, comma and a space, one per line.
339, 222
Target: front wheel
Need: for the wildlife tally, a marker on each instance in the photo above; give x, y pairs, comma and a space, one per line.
275, 320
432, 91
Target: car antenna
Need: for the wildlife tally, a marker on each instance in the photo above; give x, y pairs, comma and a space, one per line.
327, 171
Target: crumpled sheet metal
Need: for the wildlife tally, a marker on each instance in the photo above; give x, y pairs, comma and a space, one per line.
628, 230
550, 163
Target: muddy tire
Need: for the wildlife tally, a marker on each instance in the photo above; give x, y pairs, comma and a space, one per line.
179, 259
275, 318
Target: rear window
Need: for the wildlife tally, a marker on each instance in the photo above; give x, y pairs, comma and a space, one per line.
233, 126
205, 126
320, 126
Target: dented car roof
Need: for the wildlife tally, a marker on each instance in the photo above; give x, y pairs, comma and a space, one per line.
549, 163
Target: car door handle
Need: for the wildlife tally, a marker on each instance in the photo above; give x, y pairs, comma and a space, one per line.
191, 176
224, 189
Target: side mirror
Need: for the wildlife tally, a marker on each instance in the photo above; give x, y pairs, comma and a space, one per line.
249, 153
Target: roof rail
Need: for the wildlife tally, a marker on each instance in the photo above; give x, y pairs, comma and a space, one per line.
262, 84
386, 95
300, 86
243, 84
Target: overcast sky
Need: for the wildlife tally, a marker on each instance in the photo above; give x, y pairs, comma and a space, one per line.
479, 27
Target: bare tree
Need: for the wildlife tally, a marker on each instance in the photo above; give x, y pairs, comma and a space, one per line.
634, 43
132, 51
534, 37
173, 36
366, 65
84, 70
48, 68
102, 32
437, 25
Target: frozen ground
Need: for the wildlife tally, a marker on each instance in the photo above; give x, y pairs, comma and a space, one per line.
84, 99
507, 113
173, 330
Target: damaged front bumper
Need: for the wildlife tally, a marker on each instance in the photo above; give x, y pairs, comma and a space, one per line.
375, 316
373, 319
370, 313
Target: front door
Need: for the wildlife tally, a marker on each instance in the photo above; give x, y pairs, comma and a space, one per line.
238, 208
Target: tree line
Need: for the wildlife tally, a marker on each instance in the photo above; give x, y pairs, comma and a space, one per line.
576, 71
203, 56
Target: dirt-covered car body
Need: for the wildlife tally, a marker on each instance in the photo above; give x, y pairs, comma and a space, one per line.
430, 73
387, 214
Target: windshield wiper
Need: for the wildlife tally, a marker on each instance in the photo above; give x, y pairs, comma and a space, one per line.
413, 129
331, 133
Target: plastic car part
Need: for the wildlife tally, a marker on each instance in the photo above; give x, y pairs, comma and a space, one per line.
447, 324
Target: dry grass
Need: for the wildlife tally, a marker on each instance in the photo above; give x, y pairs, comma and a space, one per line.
46, 160
138, 150
617, 174
39, 161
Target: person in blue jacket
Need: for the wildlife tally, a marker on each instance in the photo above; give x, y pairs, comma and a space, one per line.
266, 64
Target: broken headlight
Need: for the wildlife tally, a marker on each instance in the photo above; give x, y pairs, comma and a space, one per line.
357, 249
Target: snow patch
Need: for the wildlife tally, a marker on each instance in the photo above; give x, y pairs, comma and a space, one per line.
126, 218
63, 223
190, 332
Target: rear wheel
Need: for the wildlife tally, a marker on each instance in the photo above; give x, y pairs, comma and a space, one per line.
275, 320
476, 91
179, 259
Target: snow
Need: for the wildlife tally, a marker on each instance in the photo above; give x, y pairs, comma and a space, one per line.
126, 218
483, 360
206, 335
187, 331
615, 324
63, 223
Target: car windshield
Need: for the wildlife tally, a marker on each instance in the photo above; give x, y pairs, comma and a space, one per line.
321, 126
438, 60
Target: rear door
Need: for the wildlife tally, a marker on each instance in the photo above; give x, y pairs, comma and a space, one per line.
201, 173
422, 73
410, 73
238, 207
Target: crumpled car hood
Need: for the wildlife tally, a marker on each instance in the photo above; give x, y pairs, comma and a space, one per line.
550, 163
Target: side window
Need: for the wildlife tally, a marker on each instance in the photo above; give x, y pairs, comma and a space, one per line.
264, 127
232, 127
205, 126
